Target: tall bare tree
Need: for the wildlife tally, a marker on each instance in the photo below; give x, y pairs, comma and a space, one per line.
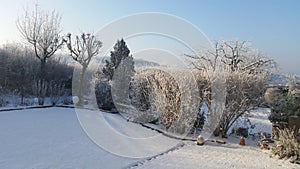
41, 29
82, 50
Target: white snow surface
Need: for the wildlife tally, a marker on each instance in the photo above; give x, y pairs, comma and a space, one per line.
52, 138
213, 156
258, 118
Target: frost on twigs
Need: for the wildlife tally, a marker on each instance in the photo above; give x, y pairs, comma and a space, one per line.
167, 95
288, 145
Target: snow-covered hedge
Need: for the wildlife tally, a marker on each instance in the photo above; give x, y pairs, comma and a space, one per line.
168, 94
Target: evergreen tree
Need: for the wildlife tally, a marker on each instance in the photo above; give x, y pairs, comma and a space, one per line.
119, 54
118, 73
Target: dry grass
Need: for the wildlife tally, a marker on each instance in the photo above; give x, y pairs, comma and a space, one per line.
288, 145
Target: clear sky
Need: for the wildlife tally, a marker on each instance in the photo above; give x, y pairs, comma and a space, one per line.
272, 26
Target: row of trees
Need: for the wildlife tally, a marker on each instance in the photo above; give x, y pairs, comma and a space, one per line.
20, 73
42, 30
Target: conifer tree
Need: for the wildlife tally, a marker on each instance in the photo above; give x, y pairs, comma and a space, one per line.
118, 73
119, 54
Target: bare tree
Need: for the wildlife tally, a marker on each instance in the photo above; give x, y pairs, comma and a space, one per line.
234, 55
82, 50
41, 29
245, 74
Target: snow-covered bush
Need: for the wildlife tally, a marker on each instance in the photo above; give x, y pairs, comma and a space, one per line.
103, 94
242, 73
244, 93
288, 145
148, 81
168, 94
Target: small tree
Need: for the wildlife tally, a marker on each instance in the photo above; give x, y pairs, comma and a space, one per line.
82, 51
245, 73
103, 94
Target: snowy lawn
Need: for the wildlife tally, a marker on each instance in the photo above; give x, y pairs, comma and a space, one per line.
50, 138
53, 138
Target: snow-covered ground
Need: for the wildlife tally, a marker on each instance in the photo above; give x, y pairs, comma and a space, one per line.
256, 121
53, 138
50, 138
213, 156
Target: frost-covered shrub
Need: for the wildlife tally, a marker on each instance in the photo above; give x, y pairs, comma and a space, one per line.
288, 145
148, 104
203, 83
152, 80
168, 94
103, 94
244, 92
244, 72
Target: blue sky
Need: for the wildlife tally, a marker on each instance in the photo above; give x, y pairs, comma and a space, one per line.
272, 26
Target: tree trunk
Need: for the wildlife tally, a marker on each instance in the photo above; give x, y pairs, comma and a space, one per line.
224, 131
43, 69
79, 92
216, 132
42, 81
